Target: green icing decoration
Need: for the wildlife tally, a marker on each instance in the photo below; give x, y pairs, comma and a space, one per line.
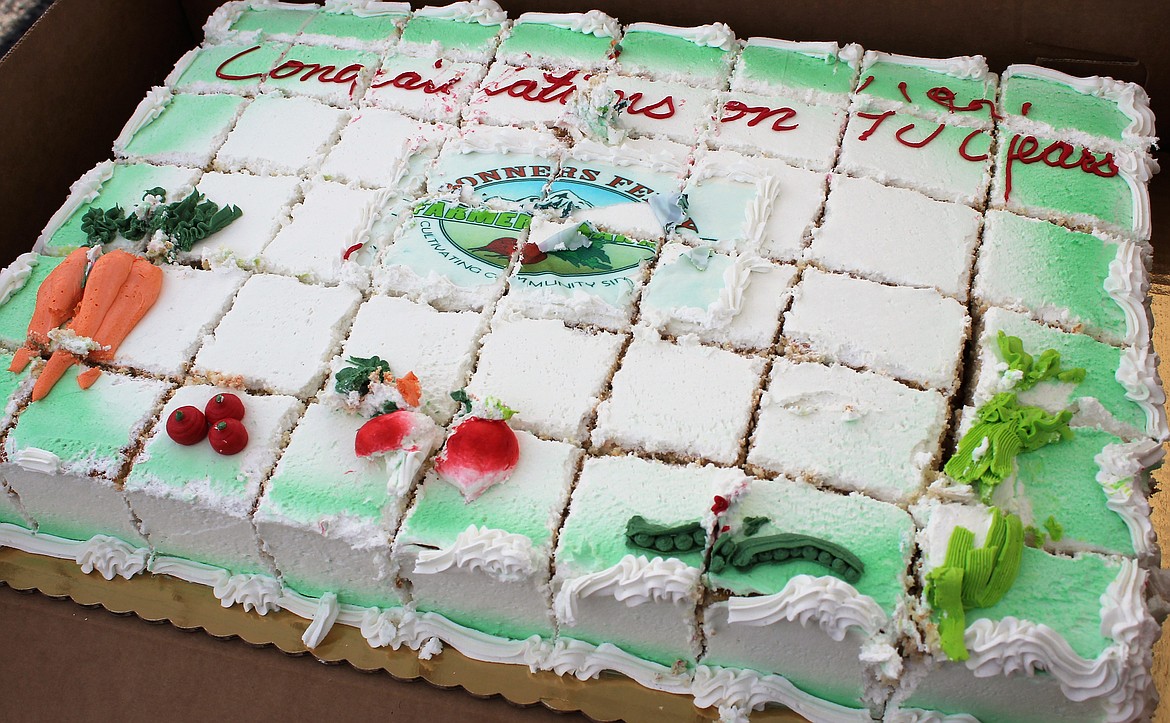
686, 537
973, 577
746, 552
1034, 371
1055, 530
184, 222
460, 395
356, 378
1003, 428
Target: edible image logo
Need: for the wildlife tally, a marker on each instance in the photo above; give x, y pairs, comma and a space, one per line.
481, 236
607, 255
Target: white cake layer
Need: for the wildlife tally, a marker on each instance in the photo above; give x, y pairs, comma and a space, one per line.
661, 109
277, 135
485, 563
427, 88
313, 515
607, 590
11, 511
73, 506
914, 335
330, 221
439, 347
197, 504
802, 134
950, 163
851, 430
650, 409
264, 201
550, 374
190, 304
384, 149
524, 96
896, 236
278, 335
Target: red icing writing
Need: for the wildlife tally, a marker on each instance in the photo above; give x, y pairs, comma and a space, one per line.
945, 97
351, 251
221, 71
658, 111
865, 83
877, 118
902, 88
558, 88
916, 144
1058, 154
736, 110
411, 80
967, 155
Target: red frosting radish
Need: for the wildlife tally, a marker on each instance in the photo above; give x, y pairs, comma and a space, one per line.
481, 451
399, 431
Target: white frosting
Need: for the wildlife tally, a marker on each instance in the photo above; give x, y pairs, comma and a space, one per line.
255, 592
281, 136
148, 109
489, 139
655, 154
415, 630
832, 604
504, 556
916, 715
15, 275
1119, 467
484, 12
1138, 373
323, 618
72, 342
378, 627
111, 556
634, 581
1128, 284
594, 22
584, 661
969, 67
36, 460
367, 8
850, 53
1131, 99
735, 692
716, 35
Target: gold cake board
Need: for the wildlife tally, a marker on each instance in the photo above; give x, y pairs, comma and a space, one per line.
190, 606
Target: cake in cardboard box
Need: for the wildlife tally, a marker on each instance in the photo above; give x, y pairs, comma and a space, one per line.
760, 371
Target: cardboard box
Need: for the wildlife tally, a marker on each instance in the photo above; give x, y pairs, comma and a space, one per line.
67, 88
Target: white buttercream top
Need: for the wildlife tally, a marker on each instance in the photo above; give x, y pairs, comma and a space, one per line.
1131, 99
484, 12
594, 22
715, 35
971, 67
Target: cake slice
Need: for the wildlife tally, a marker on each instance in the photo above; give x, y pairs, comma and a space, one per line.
729, 299
959, 90
265, 202
195, 503
363, 156
648, 411
335, 229
326, 516
659, 108
19, 283
105, 186
461, 31
226, 68
278, 335
246, 21
1072, 185
356, 24
913, 335
1083, 661
594, 284
178, 129
731, 198
794, 212
68, 476
810, 586
1091, 283
331, 75
485, 563
822, 73
896, 236
1096, 112
438, 346
946, 162
855, 431
552, 375
800, 133
278, 135
452, 256
1120, 391
622, 589
513, 95
503, 166
583, 40
428, 88
700, 56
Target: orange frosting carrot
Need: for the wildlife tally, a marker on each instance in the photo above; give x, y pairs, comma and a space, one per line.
137, 295
51, 374
410, 389
20, 359
102, 288
86, 379
58, 297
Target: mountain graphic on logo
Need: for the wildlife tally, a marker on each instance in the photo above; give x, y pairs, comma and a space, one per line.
564, 202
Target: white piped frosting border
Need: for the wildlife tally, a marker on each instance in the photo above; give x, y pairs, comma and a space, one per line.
594, 22
483, 12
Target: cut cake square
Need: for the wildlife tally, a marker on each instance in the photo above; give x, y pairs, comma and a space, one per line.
230, 68
246, 21
357, 24
178, 129
335, 76
384, 149
700, 56
648, 411
278, 135
485, 563
462, 31
959, 90
428, 88
513, 95
265, 202
802, 134
730, 199
583, 40
812, 72
278, 335
503, 166
661, 109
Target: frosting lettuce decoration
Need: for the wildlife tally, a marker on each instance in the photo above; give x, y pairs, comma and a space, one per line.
1036, 537
972, 577
1004, 427
366, 385
360, 373
174, 227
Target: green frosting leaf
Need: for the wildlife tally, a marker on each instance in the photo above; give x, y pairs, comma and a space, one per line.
1003, 428
1055, 530
752, 525
101, 226
460, 395
356, 377
184, 222
973, 577
1037, 370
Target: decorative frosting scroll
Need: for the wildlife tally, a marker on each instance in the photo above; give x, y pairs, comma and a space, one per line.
634, 581
1118, 465
715, 35
594, 22
484, 12
111, 557
834, 605
502, 555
